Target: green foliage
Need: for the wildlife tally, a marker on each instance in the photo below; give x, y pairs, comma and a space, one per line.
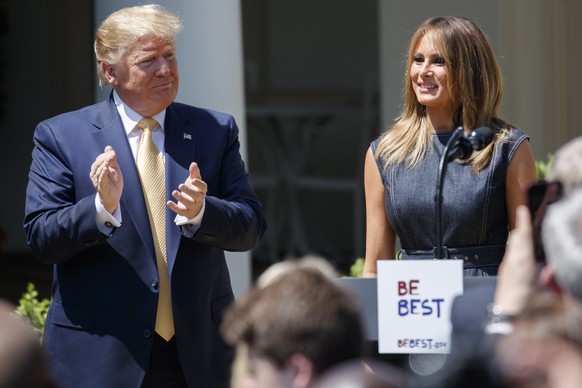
32, 309
542, 167
357, 268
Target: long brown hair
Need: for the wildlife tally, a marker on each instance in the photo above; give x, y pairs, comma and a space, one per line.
475, 85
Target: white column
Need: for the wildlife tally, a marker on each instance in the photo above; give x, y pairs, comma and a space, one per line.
210, 59
542, 49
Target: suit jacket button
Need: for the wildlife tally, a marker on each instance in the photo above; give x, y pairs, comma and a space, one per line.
155, 284
147, 333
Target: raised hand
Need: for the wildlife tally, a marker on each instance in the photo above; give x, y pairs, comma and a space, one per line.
517, 272
190, 194
107, 179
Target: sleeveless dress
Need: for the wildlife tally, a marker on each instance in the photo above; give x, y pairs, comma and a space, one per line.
475, 225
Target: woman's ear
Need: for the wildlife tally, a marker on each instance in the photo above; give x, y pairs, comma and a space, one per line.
303, 370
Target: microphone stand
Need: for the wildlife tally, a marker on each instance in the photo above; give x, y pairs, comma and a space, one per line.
439, 189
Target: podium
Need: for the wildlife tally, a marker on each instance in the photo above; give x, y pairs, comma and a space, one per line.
365, 291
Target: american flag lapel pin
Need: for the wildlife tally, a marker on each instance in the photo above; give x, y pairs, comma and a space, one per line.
187, 136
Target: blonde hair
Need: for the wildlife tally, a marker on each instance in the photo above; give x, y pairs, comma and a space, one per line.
120, 30
311, 262
475, 85
562, 239
567, 165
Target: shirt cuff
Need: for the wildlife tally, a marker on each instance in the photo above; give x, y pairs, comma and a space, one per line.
190, 226
107, 222
503, 328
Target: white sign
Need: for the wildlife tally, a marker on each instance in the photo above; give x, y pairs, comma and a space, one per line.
414, 304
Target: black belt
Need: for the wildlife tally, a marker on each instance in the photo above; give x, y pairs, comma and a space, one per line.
472, 256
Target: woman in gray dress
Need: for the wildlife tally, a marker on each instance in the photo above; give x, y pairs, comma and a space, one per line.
452, 79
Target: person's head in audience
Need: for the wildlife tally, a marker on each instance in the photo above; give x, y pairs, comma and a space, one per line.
562, 239
368, 373
544, 349
566, 166
22, 362
295, 323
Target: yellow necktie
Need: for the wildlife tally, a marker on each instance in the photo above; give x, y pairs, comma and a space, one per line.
153, 179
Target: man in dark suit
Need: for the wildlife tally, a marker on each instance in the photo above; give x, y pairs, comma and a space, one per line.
138, 293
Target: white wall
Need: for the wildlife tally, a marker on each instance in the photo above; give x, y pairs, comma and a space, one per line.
538, 44
542, 46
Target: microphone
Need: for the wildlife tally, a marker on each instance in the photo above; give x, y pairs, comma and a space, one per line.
458, 147
476, 141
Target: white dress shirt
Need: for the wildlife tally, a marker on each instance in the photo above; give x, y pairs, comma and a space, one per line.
107, 222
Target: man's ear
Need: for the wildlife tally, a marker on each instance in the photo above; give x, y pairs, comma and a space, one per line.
548, 278
304, 372
109, 72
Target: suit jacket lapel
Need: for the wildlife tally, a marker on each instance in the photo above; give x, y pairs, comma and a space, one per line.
133, 206
180, 141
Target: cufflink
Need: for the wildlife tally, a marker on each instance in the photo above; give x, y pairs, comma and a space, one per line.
186, 230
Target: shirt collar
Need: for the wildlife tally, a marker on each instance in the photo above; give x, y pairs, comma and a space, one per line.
130, 118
